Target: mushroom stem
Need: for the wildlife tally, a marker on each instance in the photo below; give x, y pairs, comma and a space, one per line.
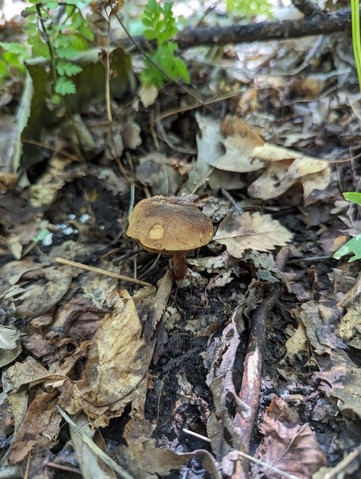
179, 265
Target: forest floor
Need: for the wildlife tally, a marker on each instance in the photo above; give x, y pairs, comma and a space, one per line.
257, 351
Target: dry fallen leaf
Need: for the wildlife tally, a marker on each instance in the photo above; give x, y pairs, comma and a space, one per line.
342, 380
39, 429
247, 151
117, 367
10, 346
254, 232
287, 445
350, 323
208, 150
143, 459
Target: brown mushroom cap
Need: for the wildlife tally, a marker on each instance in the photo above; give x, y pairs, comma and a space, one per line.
168, 225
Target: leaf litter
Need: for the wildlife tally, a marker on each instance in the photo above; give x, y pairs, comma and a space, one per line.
253, 354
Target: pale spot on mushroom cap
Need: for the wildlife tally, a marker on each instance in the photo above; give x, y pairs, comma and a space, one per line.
156, 232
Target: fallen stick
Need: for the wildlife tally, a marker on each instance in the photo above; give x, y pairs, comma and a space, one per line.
252, 375
104, 272
319, 24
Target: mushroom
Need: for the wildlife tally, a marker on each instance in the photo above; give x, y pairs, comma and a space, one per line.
170, 226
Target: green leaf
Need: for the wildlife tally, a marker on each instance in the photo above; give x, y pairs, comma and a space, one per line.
248, 8
39, 48
79, 3
64, 86
67, 68
27, 12
173, 66
50, 5
56, 99
14, 61
353, 196
159, 21
16, 48
351, 247
152, 76
85, 32
3, 70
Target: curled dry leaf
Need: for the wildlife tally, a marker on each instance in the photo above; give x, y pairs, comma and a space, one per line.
208, 151
287, 445
118, 362
247, 151
254, 232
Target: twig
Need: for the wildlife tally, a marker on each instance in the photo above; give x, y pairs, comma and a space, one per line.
230, 198
321, 24
342, 466
104, 272
251, 379
93, 447
62, 467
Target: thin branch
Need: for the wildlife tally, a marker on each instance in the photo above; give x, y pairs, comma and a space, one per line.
253, 363
323, 23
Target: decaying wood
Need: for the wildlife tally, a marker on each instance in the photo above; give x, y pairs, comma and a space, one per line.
252, 375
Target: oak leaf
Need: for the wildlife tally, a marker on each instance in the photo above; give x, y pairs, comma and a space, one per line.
254, 232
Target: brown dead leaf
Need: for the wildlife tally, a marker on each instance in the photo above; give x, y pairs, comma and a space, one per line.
297, 343
118, 362
350, 324
160, 303
44, 191
246, 151
254, 232
19, 223
320, 322
287, 445
208, 151
26, 372
39, 429
142, 458
156, 171
10, 346
281, 175
49, 284
342, 381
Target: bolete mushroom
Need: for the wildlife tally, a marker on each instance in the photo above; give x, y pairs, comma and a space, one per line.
170, 226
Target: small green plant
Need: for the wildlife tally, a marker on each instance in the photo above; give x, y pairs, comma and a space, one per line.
57, 32
356, 45
13, 58
353, 246
160, 26
247, 8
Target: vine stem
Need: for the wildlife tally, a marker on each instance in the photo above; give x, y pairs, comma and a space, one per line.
355, 20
